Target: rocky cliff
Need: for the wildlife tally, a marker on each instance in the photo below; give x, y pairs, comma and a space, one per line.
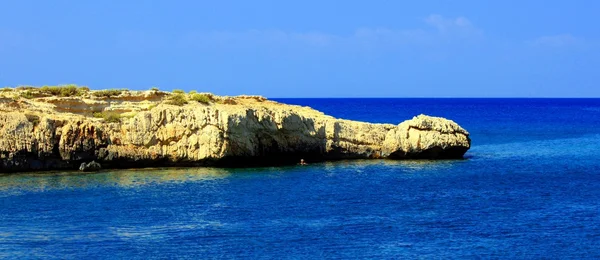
147, 128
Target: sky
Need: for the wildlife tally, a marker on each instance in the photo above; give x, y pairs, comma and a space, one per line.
308, 48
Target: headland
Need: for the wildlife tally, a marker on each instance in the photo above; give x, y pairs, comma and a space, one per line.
61, 127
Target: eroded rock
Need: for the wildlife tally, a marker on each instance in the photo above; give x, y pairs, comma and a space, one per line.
244, 132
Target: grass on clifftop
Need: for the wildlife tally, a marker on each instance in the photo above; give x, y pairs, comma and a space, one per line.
70, 90
177, 100
202, 98
27, 94
176, 97
107, 93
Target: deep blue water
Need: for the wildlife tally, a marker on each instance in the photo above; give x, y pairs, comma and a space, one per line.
529, 188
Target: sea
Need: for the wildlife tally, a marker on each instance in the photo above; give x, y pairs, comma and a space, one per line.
529, 188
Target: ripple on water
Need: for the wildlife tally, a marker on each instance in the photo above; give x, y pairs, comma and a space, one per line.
505, 201
44, 181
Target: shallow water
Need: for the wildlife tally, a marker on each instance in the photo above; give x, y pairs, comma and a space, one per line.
529, 188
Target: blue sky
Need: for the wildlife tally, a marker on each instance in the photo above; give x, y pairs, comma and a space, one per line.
307, 48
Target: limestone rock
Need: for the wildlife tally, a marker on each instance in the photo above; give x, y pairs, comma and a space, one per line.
43, 133
427, 137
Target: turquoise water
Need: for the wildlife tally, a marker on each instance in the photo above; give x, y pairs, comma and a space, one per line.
528, 188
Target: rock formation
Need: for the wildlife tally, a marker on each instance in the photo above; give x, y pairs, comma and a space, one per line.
49, 132
90, 167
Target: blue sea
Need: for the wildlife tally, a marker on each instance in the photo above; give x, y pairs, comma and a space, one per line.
529, 188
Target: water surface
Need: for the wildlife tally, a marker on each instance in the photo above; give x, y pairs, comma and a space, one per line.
529, 188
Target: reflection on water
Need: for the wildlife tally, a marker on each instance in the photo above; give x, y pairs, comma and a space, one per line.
41, 181
123, 178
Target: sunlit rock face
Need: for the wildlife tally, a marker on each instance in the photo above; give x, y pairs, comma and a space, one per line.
45, 133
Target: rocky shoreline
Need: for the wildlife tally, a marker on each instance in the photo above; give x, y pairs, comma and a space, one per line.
42, 129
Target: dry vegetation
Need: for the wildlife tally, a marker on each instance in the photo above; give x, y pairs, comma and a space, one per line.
109, 116
177, 99
108, 93
70, 90
202, 98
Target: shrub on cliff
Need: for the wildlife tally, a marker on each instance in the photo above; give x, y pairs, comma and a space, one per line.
25, 87
108, 116
108, 93
66, 91
202, 98
177, 100
70, 90
27, 94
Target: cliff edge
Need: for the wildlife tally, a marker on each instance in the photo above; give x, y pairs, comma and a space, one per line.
42, 130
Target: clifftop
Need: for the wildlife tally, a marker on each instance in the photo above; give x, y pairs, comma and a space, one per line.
59, 128
70, 100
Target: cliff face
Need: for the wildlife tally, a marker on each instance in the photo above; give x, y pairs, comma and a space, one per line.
60, 133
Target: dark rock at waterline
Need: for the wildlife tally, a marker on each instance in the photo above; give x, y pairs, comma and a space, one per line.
90, 167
